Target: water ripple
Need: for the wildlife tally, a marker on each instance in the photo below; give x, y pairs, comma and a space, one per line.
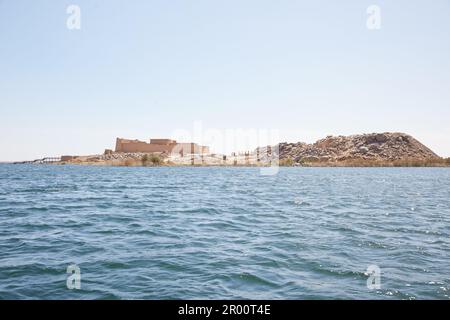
171, 233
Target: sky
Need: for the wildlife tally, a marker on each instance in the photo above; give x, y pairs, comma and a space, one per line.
301, 70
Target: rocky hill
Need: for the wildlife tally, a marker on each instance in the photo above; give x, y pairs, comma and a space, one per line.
385, 147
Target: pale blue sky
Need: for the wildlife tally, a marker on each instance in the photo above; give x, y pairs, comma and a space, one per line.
141, 69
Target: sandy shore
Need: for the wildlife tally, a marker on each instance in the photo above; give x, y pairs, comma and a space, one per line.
251, 160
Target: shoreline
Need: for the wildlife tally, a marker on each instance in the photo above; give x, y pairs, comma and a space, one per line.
388, 149
439, 163
158, 159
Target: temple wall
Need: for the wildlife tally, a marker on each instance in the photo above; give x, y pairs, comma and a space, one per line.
159, 145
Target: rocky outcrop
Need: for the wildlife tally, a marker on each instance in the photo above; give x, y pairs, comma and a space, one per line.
372, 147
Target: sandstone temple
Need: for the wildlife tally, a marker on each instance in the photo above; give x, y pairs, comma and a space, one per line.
159, 145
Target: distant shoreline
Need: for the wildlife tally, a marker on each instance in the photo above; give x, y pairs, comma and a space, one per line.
356, 163
388, 149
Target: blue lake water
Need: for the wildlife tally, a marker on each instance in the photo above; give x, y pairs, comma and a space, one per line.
223, 233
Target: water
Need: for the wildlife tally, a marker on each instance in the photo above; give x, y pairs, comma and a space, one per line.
222, 233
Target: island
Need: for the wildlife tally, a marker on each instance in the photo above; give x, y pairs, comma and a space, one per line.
388, 149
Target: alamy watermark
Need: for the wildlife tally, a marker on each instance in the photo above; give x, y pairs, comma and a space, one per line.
374, 17
74, 279
73, 21
374, 277
255, 146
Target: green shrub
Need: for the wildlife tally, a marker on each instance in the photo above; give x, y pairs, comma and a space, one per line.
151, 160
145, 159
155, 160
288, 162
